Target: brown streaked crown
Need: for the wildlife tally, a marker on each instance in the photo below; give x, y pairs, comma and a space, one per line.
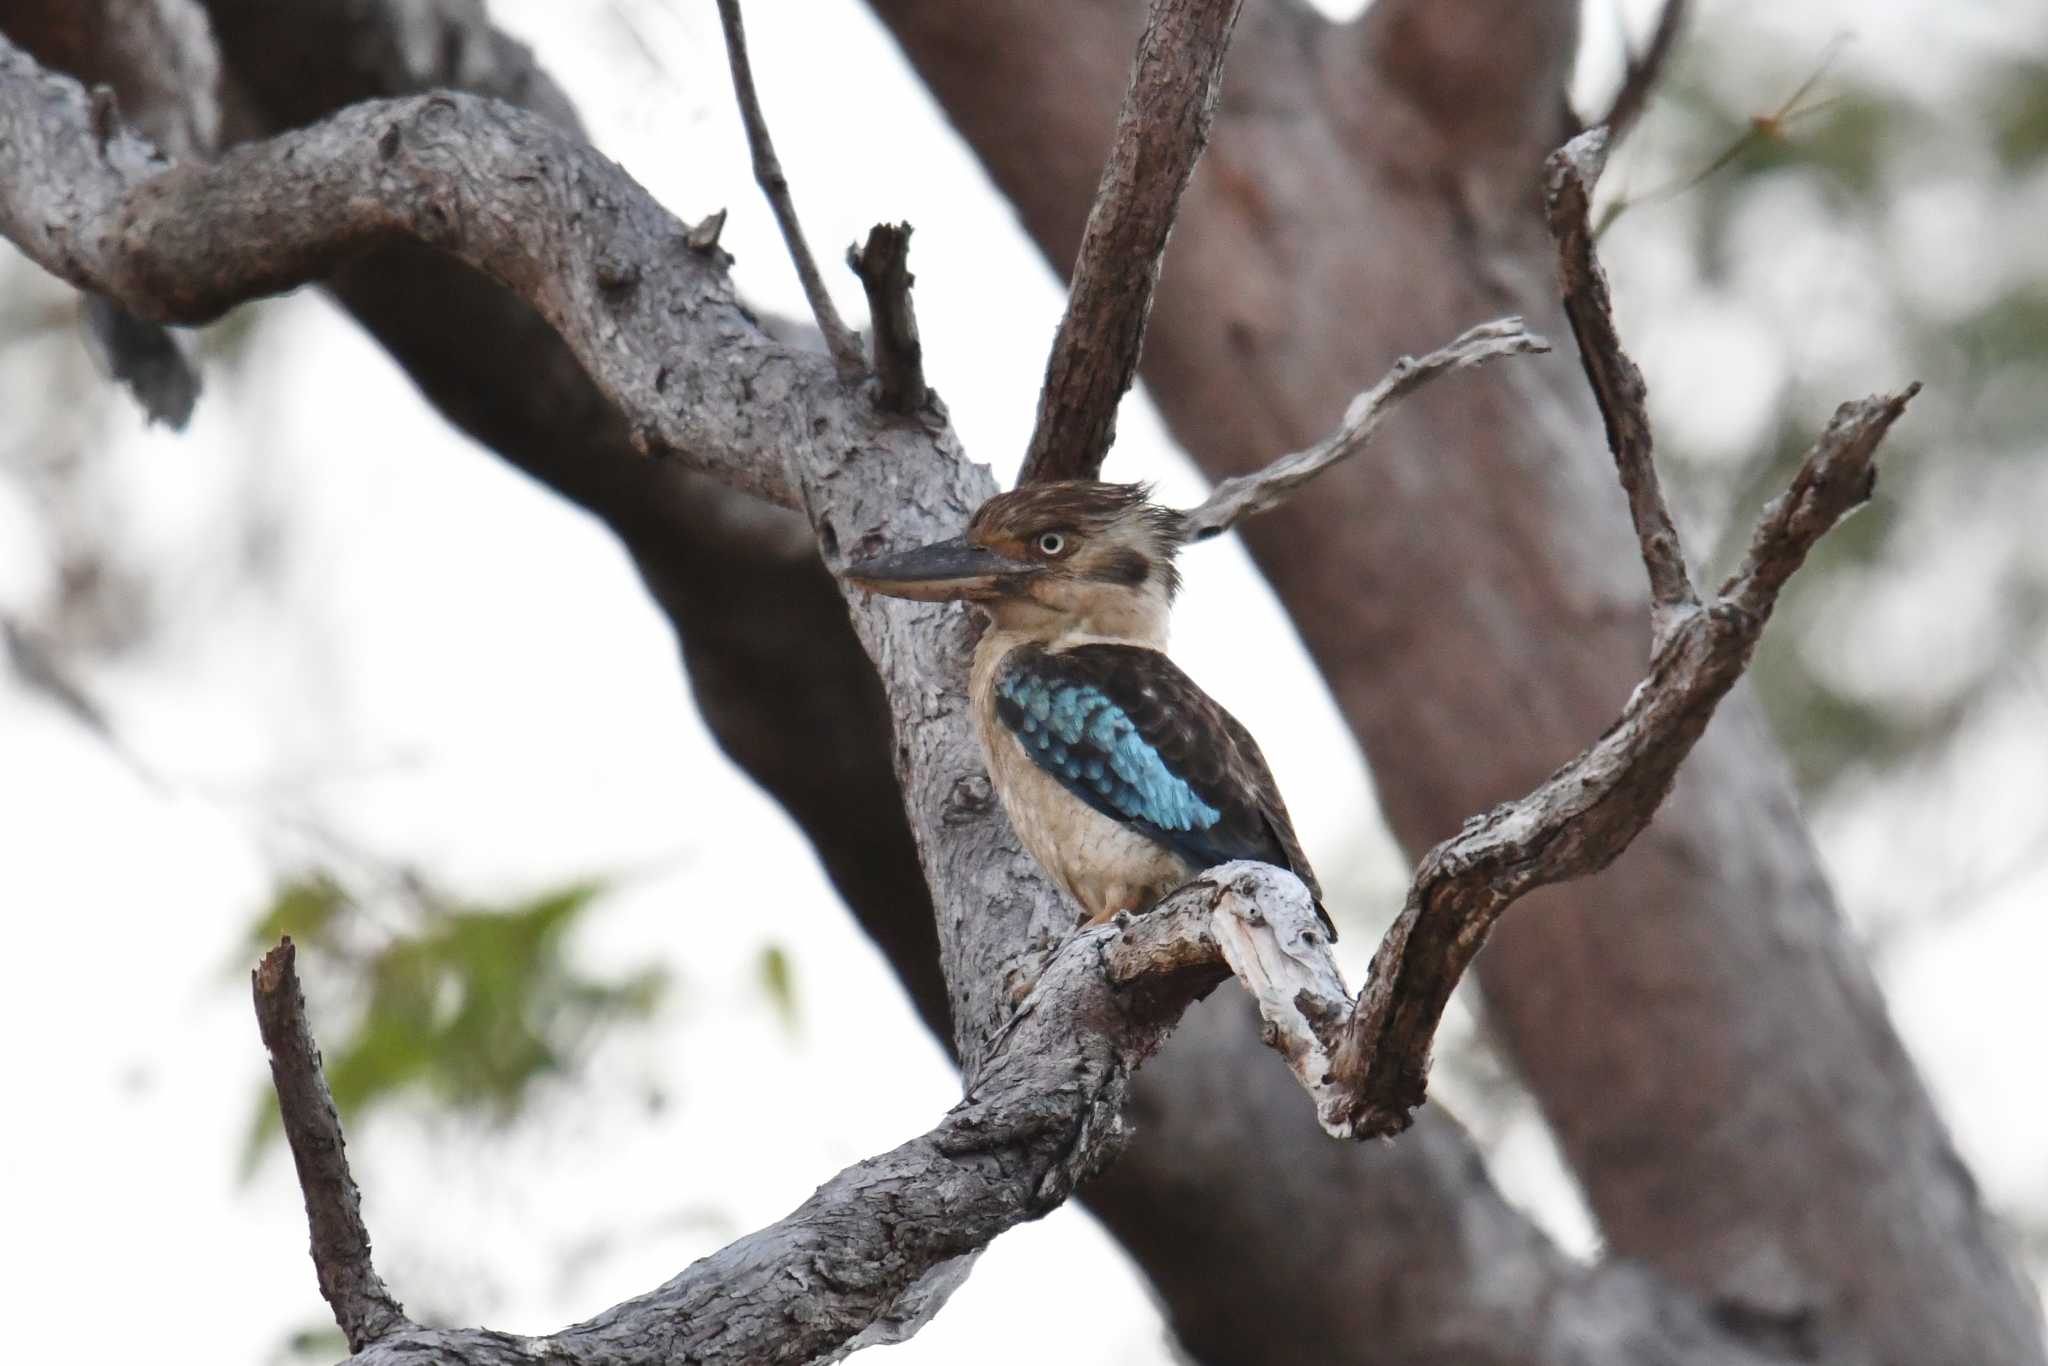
1116, 532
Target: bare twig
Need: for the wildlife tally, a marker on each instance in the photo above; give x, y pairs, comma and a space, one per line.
883, 266
840, 340
1617, 383
1640, 75
1836, 476
365, 1309
1237, 498
1161, 129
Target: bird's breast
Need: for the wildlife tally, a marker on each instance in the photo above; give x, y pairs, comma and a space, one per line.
1100, 862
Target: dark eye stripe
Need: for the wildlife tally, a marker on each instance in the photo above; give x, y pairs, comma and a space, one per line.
1127, 567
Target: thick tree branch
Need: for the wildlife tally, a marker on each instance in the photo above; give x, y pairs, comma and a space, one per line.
1240, 496
1617, 383
362, 1306
883, 266
482, 181
840, 340
1160, 133
1042, 1112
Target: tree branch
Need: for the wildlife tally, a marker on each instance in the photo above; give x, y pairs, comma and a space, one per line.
1586, 813
1161, 130
1617, 383
1642, 72
883, 266
1366, 1064
839, 338
366, 1311
1241, 496
1042, 1112
477, 179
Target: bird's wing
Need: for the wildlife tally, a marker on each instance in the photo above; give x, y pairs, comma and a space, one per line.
1126, 731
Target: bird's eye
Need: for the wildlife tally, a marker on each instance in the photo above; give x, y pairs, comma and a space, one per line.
1051, 543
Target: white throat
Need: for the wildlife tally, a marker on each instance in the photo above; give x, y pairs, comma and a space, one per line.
1087, 614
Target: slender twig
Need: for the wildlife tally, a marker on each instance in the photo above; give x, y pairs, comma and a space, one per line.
1617, 383
883, 266
1237, 498
364, 1308
840, 340
1161, 129
1643, 70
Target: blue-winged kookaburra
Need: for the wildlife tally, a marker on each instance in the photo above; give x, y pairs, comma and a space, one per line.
1121, 776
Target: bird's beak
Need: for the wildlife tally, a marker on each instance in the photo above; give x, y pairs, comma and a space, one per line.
941, 572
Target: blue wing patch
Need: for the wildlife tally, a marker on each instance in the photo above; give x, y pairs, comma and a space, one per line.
1085, 739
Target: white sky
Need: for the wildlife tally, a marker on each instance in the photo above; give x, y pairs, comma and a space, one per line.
453, 667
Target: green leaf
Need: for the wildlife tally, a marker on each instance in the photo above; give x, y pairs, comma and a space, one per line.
471, 1008
778, 979
305, 907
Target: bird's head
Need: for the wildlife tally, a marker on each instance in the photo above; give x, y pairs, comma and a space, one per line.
1073, 557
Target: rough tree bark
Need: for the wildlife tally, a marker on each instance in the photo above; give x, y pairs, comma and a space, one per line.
601, 483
